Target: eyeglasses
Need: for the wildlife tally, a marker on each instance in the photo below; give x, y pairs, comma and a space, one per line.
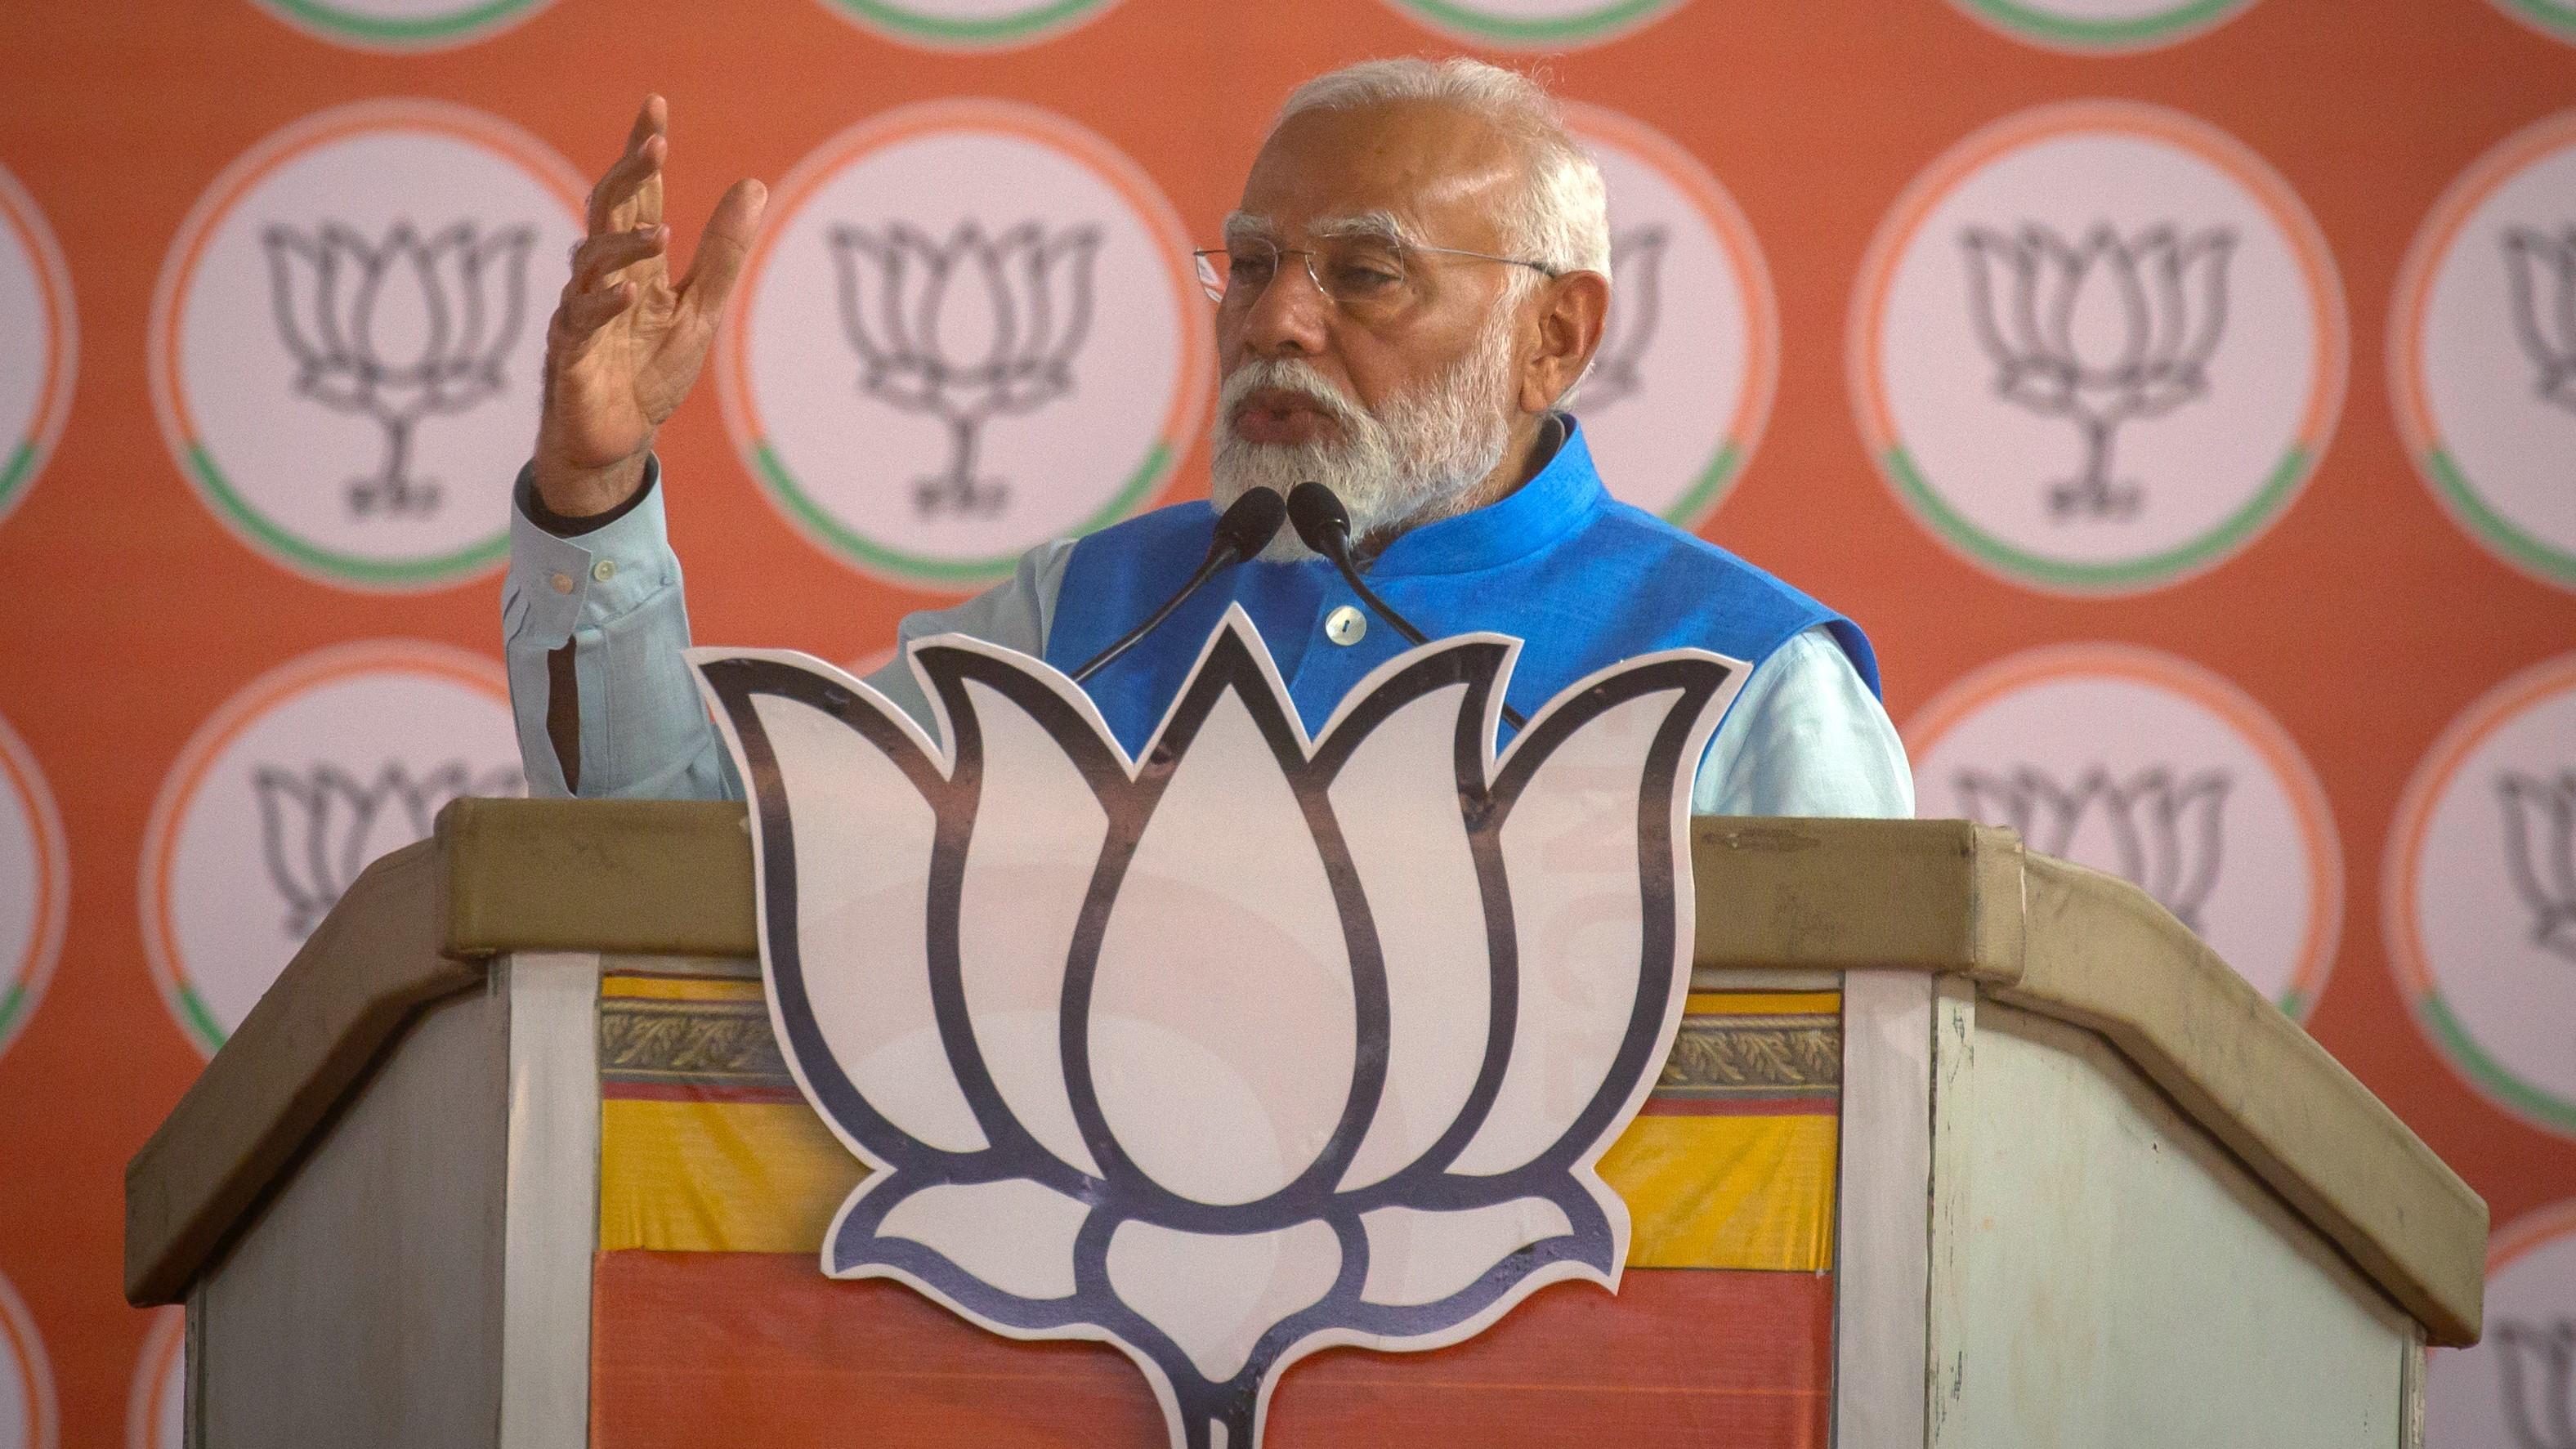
1367, 277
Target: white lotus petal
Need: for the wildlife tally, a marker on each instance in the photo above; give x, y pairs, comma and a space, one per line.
1221, 1025
1216, 1294
1397, 802
862, 834
1038, 834
1422, 1256
1570, 852
1015, 1235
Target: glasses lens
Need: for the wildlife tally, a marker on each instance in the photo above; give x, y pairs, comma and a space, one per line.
1362, 275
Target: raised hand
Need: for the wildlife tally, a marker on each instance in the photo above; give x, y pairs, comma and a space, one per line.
626, 342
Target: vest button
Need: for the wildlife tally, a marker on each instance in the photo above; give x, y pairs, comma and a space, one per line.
1346, 625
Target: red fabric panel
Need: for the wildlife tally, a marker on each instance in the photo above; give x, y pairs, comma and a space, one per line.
697, 1349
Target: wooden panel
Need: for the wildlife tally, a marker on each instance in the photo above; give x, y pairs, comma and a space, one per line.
1880, 1232
2125, 1282
363, 1303
694, 1349
552, 1185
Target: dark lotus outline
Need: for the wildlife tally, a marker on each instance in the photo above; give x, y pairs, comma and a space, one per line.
1233, 660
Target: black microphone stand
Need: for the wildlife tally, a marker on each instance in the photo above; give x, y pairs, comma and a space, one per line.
1241, 532
1325, 525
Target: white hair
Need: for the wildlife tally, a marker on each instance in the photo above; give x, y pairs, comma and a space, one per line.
1564, 222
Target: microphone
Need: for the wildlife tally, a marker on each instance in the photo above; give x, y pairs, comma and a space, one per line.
1325, 525
1241, 532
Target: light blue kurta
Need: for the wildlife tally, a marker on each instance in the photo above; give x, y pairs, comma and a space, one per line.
1806, 736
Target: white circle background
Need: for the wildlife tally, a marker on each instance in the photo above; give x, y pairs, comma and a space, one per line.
2517, 451
2256, 915
27, 334
2474, 937
26, 1381
1993, 461
1653, 444
290, 457
2464, 1404
227, 917
30, 830
857, 457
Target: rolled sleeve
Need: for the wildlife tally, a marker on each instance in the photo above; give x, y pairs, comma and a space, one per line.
1806, 737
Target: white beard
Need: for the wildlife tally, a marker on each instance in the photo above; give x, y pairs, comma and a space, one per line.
1408, 463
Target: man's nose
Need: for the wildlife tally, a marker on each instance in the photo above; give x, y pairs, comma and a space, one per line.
1291, 316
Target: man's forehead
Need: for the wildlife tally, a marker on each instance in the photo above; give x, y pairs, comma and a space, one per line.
1427, 167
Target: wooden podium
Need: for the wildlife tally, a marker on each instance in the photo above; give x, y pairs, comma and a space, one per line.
1958, 1146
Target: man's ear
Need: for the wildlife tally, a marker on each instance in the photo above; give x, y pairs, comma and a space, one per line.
1569, 316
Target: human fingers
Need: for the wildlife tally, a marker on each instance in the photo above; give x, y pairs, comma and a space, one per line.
629, 193
723, 248
653, 118
581, 316
593, 261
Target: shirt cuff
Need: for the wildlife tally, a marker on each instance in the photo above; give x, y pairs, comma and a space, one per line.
557, 583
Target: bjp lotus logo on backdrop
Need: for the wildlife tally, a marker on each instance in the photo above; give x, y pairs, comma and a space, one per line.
1535, 24
2097, 347
348, 336
2158, 771
401, 25
2482, 350
1253, 1046
39, 341
27, 1418
2480, 894
967, 24
1682, 383
156, 1407
2517, 1388
35, 884
311, 772
2095, 27
968, 327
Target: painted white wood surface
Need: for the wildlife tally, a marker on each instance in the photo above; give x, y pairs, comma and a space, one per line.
2122, 1282
552, 1198
1881, 1195
363, 1303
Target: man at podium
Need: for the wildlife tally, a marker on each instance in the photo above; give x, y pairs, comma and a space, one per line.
1410, 290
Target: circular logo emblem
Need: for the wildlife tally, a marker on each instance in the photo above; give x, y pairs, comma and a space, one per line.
2481, 894
968, 24
2097, 347
1535, 24
35, 884
2159, 771
970, 326
26, 1383
347, 338
2095, 27
156, 1407
2517, 1388
2482, 363
400, 25
43, 340
1679, 390
2553, 18
292, 788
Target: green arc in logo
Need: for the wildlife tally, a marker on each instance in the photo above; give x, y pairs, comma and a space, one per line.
424, 31
2486, 1073
1010, 28
199, 1023
1688, 509
926, 568
1597, 23
2146, 572
2490, 527
21, 463
2135, 32
2549, 15
296, 553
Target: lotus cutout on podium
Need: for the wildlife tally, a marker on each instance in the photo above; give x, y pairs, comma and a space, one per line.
1252, 1046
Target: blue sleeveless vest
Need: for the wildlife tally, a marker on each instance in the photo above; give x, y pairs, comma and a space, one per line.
1582, 578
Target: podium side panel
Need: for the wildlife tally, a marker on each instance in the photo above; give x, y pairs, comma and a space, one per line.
2124, 1281
363, 1303
1882, 1197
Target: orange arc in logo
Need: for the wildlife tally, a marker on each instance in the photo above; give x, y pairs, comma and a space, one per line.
51, 886
54, 294
236, 181
2532, 1230
1008, 118
1735, 234
2289, 215
296, 676
2299, 783
26, 1355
